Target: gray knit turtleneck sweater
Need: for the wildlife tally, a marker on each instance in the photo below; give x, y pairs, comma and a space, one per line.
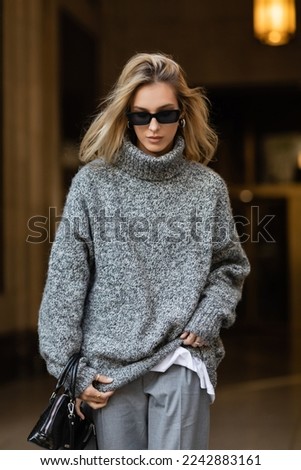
146, 249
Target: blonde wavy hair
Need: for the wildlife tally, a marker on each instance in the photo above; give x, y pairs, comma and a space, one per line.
106, 134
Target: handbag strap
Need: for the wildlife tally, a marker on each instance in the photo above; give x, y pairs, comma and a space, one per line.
69, 369
73, 374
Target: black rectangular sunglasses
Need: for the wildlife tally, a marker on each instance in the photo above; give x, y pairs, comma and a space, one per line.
141, 118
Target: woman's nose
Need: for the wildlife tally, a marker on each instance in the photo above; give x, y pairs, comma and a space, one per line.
153, 125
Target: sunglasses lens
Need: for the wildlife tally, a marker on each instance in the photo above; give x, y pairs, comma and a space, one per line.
139, 119
142, 118
168, 116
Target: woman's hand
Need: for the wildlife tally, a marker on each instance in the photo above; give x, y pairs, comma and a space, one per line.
191, 339
93, 397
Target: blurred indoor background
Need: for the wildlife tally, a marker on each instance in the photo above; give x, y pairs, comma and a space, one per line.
58, 58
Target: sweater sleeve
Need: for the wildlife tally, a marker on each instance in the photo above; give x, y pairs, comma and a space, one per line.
69, 272
229, 268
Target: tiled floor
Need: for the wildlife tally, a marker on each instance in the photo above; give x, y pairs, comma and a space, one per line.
258, 402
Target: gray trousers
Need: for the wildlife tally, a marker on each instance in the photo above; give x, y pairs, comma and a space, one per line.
157, 411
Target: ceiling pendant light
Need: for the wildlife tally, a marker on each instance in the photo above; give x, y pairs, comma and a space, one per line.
274, 21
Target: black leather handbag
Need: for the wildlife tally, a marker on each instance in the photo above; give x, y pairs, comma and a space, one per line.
59, 427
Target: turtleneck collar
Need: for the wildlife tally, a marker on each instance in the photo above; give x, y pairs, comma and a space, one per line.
147, 167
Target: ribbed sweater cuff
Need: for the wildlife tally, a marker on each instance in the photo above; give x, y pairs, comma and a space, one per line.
208, 320
85, 377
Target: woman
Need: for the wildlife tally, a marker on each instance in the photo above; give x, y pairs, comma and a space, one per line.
146, 267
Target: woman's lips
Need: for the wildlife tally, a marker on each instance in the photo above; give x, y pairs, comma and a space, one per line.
154, 139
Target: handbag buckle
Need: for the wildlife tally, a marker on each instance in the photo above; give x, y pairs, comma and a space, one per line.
71, 409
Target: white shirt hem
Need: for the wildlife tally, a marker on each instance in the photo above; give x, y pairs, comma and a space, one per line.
182, 357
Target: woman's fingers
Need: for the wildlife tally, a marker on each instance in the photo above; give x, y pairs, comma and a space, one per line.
93, 397
198, 342
103, 379
100, 401
191, 339
184, 335
78, 410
